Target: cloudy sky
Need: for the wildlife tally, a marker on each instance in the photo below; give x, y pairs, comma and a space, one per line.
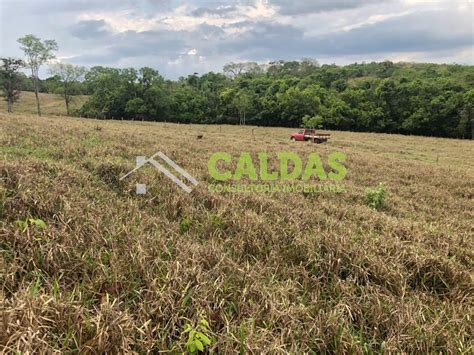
181, 37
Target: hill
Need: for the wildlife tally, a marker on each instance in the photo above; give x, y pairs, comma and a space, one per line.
88, 264
51, 104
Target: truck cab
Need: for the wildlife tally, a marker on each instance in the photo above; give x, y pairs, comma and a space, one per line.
302, 135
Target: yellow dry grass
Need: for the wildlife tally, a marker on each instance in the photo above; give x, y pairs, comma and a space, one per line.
285, 272
51, 104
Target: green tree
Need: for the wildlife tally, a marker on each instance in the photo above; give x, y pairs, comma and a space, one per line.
37, 53
136, 107
105, 86
243, 102
316, 121
239, 100
10, 80
234, 70
295, 103
69, 76
465, 127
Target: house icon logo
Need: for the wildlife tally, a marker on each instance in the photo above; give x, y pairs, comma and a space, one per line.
142, 160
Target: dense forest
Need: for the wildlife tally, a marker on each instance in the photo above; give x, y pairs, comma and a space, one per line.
407, 98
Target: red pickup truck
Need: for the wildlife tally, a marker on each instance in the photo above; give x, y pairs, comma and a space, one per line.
308, 134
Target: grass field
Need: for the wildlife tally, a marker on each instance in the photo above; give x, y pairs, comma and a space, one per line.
113, 271
51, 104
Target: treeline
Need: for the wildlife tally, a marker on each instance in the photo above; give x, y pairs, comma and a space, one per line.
407, 98
422, 99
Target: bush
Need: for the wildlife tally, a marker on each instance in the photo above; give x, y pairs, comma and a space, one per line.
375, 197
185, 224
312, 122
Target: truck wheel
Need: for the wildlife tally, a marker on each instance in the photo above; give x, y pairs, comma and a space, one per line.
292, 139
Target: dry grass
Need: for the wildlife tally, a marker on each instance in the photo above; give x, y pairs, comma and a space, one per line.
116, 272
51, 104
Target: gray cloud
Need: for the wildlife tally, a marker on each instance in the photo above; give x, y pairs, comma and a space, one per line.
413, 32
89, 29
265, 40
206, 31
133, 44
130, 44
298, 7
403, 34
45, 7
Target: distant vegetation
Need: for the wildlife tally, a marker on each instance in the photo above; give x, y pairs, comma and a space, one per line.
422, 99
407, 98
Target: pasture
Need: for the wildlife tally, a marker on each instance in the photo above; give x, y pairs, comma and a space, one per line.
112, 271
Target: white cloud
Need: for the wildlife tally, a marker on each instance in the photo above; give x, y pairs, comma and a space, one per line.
373, 19
121, 21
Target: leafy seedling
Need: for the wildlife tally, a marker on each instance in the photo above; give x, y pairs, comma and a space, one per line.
23, 225
198, 337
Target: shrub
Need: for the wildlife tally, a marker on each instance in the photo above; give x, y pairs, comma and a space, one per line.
185, 224
375, 197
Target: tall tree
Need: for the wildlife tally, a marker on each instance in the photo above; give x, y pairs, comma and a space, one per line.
10, 80
466, 123
234, 70
69, 75
243, 102
37, 53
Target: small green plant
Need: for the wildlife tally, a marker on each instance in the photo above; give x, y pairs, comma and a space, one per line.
35, 284
242, 338
23, 225
198, 336
185, 224
216, 220
376, 197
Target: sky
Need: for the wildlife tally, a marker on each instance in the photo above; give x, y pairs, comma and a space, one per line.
179, 38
